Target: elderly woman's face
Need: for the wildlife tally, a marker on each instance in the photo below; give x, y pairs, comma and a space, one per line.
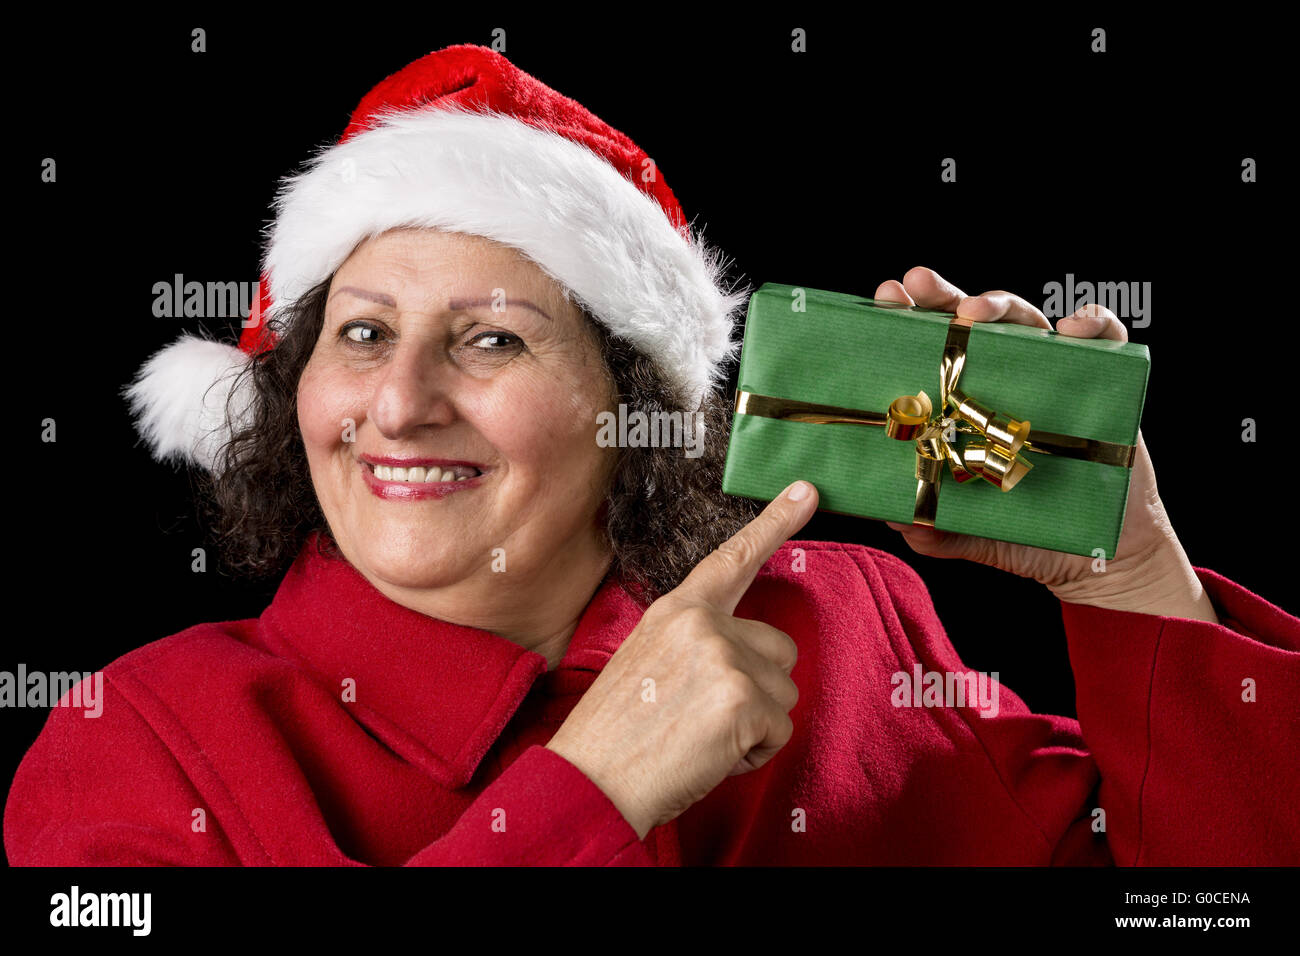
444, 356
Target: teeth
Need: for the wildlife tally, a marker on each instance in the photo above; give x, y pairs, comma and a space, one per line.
423, 475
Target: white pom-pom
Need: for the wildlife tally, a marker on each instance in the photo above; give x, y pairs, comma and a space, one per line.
179, 399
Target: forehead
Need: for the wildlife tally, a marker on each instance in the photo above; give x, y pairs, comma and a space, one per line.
436, 264
411, 251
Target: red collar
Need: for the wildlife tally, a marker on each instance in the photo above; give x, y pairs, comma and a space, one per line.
438, 694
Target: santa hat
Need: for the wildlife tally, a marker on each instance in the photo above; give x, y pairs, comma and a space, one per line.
464, 141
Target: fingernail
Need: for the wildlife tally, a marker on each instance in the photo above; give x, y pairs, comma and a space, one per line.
798, 491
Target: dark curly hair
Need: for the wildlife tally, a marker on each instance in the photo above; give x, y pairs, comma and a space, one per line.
663, 513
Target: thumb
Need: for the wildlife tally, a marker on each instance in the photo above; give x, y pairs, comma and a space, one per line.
724, 576
934, 543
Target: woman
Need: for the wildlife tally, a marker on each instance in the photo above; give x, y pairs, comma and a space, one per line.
501, 642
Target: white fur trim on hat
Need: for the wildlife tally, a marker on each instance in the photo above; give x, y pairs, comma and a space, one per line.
607, 243
178, 399
556, 201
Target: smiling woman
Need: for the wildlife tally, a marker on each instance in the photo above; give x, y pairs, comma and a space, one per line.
521, 389
512, 393
498, 638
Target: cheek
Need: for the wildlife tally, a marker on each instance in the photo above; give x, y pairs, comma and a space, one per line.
544, 424
327, 398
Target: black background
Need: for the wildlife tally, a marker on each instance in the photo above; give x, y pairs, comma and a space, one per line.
818, 169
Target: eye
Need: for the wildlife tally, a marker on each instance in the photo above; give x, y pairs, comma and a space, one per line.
360, 333
496, 342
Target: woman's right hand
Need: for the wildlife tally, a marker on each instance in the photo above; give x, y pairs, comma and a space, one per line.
721, 694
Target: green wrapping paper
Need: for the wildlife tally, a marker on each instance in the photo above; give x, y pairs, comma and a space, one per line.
856, 353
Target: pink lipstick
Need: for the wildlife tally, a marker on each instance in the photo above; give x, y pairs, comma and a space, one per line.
418, 479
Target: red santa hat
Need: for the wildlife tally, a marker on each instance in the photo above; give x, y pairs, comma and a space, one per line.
462, 140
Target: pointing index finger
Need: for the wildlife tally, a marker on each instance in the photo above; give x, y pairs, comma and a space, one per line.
724, 576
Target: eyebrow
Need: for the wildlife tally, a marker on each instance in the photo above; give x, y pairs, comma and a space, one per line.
379, 297
457, 304
454, 304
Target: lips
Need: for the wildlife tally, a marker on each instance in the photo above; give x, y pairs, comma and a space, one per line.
413, 479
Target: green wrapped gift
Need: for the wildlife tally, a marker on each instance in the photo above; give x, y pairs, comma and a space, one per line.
903, 414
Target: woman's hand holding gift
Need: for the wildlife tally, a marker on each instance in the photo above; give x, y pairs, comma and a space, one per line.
1150, 572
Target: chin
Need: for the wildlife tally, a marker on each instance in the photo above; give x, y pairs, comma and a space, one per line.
417, 566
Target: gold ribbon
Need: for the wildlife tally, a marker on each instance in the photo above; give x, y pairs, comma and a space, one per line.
997, 458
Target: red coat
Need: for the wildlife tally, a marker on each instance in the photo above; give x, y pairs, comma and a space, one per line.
439, 760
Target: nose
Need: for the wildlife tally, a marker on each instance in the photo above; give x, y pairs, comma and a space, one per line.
413, 389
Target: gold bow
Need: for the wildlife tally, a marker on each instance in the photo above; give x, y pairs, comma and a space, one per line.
997, 458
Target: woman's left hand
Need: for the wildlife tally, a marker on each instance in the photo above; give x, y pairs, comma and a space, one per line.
1150, 572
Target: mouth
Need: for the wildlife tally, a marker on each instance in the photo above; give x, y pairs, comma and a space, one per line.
423, 474
417, 479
